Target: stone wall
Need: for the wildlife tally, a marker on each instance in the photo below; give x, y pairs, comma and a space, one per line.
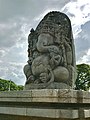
45, 104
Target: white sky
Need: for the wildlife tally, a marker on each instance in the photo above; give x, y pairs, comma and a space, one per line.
17, 17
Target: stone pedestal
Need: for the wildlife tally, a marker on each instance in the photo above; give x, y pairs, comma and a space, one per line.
46, 104
53, 85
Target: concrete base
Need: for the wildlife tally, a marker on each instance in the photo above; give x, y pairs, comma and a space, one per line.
46, 104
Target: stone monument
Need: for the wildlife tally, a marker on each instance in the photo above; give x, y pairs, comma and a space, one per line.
50, 75
51, 54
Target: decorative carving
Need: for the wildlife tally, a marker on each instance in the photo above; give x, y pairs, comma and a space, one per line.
51, 53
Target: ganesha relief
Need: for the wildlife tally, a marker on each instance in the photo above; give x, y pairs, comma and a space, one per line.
51, 56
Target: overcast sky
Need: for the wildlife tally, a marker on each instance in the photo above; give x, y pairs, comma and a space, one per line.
17, 17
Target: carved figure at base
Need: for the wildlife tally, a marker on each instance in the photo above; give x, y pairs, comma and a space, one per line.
51, 52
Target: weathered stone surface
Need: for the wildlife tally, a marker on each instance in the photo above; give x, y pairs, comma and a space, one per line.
53, 85
48, 104
51, 54
47, 95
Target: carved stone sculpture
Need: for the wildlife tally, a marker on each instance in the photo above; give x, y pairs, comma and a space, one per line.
51, 54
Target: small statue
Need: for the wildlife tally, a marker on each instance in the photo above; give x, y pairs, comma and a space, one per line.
51, 53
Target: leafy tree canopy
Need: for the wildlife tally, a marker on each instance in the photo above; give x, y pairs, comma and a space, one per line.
83, 77
8, 85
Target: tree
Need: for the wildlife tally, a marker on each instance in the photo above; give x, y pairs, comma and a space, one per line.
83, 77
4, 86
8, 85
20, 87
